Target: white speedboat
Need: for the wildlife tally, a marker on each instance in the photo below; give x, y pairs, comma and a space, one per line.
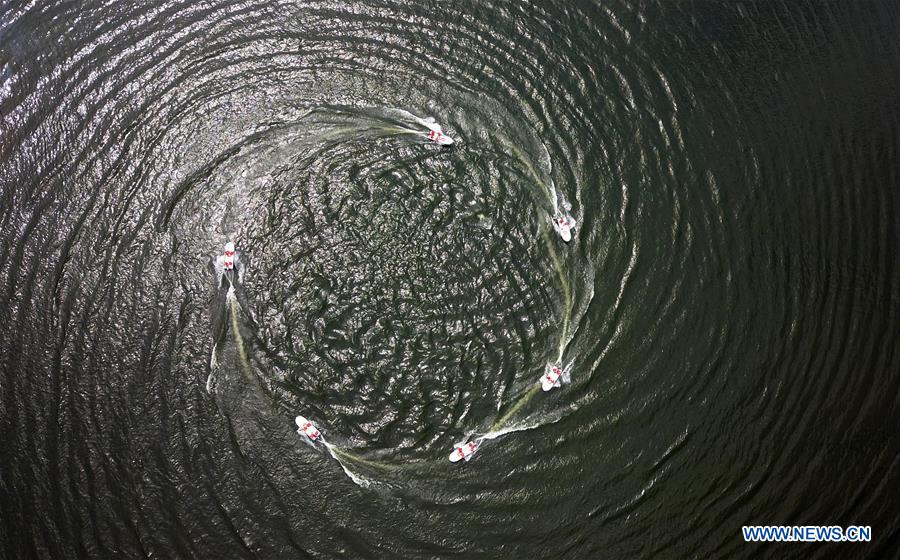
438, 137
563, 224
551, 376
464, 451
226, 260
306, 428
435, 132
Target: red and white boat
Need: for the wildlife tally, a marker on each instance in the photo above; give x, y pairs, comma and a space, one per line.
438, 137
306, 428
464, 451
551, 377
228, 257
563, 224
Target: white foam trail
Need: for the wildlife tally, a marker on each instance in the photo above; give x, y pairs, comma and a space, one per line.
408, 118
566, 376
509, 430
213, 365
430, 124
220, 270
402, 114
235, 309
404, 130
554, 198
358, 480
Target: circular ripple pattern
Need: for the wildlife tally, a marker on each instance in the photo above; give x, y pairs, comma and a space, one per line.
418, 310
728, 304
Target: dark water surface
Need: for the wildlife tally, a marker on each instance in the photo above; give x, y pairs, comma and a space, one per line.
730, 304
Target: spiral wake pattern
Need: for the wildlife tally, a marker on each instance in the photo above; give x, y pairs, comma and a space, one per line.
727, 306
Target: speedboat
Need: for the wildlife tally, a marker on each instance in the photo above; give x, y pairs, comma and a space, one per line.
438, 137
306, 428
563, 224
228, 257
464, 451
551, 376
435, 133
